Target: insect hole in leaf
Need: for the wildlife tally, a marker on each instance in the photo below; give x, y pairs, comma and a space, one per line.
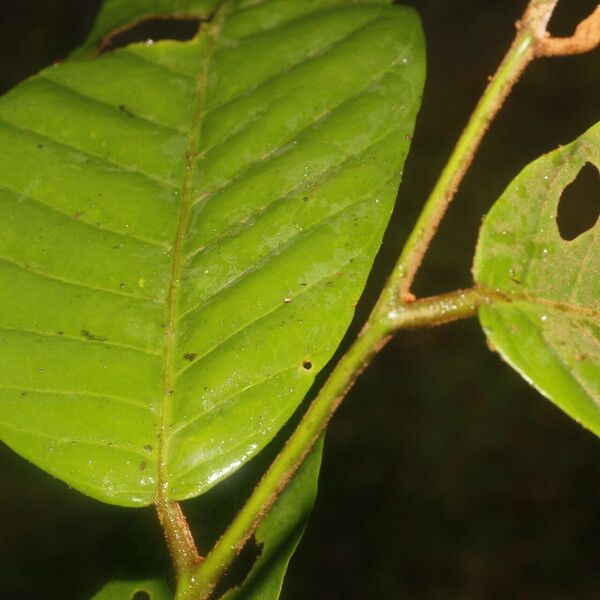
153, 29
579, 206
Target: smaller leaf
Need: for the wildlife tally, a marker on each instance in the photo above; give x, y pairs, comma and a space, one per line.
280, 533
548, 325
149, 589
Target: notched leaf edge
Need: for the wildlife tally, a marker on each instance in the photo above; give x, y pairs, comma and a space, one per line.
153, 28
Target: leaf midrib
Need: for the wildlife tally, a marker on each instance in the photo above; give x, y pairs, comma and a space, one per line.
210, 33
571, 309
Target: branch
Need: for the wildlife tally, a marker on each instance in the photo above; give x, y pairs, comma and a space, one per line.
179, 538
379, 329
396, 308
585, 39
531, 29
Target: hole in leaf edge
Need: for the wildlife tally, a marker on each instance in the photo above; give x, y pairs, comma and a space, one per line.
579, 204
152, 29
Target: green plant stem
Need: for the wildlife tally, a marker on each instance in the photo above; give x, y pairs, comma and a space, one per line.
394, 311
379, 329
519, 56
443, 309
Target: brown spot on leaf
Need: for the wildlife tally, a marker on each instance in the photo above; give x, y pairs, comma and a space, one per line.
191, 356
91, 337
125, 110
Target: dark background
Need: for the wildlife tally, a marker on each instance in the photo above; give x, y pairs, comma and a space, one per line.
445, 475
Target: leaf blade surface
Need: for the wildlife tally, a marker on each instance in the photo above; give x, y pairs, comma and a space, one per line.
549, 326
200, 220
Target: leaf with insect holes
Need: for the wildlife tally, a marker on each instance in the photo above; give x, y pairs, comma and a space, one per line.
185, 230
548, 326
150, 589
117, 16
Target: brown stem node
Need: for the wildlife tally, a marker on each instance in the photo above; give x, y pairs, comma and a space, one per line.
585, 39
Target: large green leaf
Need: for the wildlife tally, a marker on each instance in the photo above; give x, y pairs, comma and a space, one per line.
548, 326
185, 229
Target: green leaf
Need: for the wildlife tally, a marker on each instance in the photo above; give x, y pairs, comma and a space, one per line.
548, 326
149, 589
185, 230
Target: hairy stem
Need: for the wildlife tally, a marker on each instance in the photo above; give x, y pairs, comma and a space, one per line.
585, 38
440, 310
396, 308
532, 41
379, 329
515, 62
178, 535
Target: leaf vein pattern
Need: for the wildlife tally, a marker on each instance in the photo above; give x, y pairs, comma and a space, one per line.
101, 160
261, 108
572, 309
237, 393
164, 432
72, 441
61, 392
81, 340
561, 361
113, 107
314, 55
541, 210
70, 217
309, 16
79, 284
233, 451
264, 160
155, 63
262, 213
246, 326
289, 243
237, 228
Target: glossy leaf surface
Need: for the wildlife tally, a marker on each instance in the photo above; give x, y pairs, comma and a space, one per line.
549, 326
185, 229
275, 540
